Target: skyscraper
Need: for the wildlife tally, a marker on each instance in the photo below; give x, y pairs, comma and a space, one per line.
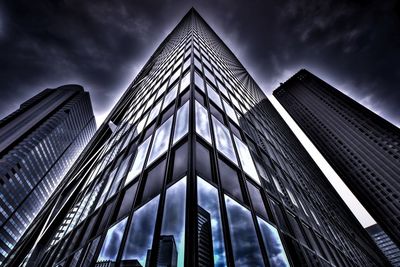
205, 246
363, 148
389, 249
38, 142
193, 131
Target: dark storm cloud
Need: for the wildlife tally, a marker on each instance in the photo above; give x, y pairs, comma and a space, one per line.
103, 44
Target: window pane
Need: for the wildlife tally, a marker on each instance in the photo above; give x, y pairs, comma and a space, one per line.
171, 96
154, 182
273, 244
246, 251
90, 252
223, 140
229, 180
246, 159
109, 250
138, 163
185, 82
256, 199
210, 236
141, 232
180, 162
127, 201
182, 122
119, 176
202, 125
173, 223
231, 113
203, 161
154, 112
161, 141
198, 81
214, 96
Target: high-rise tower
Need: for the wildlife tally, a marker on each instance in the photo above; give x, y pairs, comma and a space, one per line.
38, 142
194, 130
363, 148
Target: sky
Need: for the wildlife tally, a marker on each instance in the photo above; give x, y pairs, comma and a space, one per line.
102, 45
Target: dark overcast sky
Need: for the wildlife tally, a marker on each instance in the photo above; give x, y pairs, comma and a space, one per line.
354, 45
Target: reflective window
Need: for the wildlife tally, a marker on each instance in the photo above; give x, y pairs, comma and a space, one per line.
127, 201
109, 250
198, 81
203, 161
138, 162
278, 186
154, 181
202, 125
246, 250
119, 176
230, 112
90, 252
246, 160
209, 75
256, 199
223, 140
182, 122
171, 96
141, 231
175, 76
180, 161
107, 186
222, 89
210, 235
292, 197
185, 82
229, 180
161, 141
214, 96
273, 244
154, 112
173, 222
74, 261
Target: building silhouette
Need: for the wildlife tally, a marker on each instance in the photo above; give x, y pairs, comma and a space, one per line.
38, 142
389, 249
363, 148
194, 142
205, 246
167, 254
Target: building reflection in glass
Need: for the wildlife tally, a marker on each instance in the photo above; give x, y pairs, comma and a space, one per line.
208, 200
112, 241
173, 222
276, 253
246, 250
141, 232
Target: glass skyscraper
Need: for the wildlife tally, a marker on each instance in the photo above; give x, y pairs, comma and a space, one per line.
194, 166
362, 147
38, 143
389, 249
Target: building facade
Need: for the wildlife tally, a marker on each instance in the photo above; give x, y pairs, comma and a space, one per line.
389, 249
363, 148
38, 143
194, 154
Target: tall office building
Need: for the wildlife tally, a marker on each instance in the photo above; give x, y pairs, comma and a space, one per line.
363, 148
389, 249
38, 142
194, 140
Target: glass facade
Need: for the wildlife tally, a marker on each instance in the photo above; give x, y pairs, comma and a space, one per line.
38, 143
197, 188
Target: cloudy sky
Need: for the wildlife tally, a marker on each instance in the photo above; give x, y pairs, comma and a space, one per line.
354, 45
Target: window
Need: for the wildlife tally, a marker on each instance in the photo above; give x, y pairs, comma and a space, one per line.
180, 161
223, 140
154, 181
161, 141
185, 82
170, 96
173, 223
246, 159
127, 201
203, 161
277, 184
292, 198
202, 124
199, 82
230, 180
256, 199
273, 244
141, 231
230, 112
119, 176
109, 250
214, 96
209, 223
154, 112
182, 122
138, 162
245, 247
